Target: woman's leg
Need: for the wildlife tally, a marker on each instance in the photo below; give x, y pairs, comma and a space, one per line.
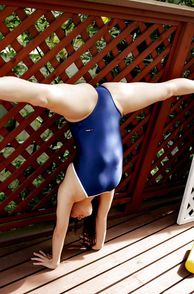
134, 96
72, 101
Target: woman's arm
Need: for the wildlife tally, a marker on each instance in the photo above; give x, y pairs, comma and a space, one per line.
64, 206
101, 219
60, 231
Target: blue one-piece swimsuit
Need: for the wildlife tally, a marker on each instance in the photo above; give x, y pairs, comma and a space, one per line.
98, 162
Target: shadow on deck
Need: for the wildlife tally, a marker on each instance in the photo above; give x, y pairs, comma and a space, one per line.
144, 253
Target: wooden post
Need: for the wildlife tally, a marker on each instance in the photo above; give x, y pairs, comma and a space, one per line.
158, 120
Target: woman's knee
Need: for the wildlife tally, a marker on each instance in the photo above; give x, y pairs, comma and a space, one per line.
87, 88
169, 90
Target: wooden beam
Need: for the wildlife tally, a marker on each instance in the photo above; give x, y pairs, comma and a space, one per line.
158, 119
151, 9
180, 55
149, 5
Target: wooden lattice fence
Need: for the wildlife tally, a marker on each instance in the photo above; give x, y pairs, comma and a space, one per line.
81, 41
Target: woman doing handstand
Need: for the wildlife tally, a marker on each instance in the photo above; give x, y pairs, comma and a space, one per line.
94, 116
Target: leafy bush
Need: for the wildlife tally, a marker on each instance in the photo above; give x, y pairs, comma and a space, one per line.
183, 2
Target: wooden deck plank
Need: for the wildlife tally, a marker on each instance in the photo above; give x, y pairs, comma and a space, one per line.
25, 253
185, 285
134, 247
167, 279
11, 248
14, 270
151, 278
16, 274
22, 238
21, 255
134, 260
75, 263
106, 261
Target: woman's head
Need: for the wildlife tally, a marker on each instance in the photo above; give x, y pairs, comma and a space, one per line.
87, 209
88, 237
82, 209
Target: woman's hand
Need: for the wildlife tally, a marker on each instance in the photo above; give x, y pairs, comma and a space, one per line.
44, 259
96, 247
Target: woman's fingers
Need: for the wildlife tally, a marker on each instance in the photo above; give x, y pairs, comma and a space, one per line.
41, 254
37, 259
44, 254
37, 263
38, 255
41, 257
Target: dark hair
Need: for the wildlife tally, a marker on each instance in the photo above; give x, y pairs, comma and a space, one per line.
89, 226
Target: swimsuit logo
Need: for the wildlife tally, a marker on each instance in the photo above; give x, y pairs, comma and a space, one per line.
89, 130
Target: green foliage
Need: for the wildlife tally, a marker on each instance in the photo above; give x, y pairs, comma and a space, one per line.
12, 21
10, 207
182, 2
2, 196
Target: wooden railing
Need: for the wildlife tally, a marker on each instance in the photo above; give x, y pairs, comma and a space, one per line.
93, 41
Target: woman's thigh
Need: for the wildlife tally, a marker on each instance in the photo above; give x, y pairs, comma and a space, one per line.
134, 96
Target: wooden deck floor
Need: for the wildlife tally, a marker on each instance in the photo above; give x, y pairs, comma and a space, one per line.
144, 253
